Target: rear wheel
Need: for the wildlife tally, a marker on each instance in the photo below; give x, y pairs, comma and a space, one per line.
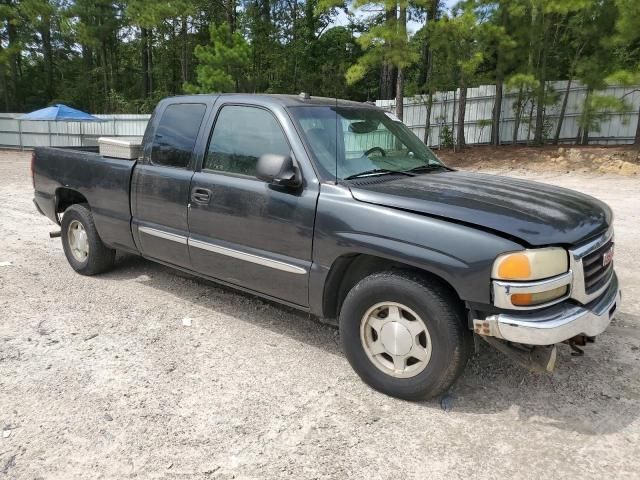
82, 245
405, 335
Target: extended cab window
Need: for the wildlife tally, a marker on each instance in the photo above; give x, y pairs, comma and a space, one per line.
176, 134
240, 136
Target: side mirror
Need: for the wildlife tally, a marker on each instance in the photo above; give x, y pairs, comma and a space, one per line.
278, 170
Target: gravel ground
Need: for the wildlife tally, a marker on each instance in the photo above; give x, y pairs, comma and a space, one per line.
101, 378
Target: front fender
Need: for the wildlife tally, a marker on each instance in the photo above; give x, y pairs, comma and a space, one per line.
459, 254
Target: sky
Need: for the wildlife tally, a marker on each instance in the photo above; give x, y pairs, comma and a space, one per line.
343, 18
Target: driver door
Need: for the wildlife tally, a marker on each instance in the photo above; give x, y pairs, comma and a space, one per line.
242, 230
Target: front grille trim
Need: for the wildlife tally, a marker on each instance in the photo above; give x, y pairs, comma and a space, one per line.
595, 273
592, 284
590, 278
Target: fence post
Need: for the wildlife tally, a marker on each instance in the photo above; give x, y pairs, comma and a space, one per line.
20, 134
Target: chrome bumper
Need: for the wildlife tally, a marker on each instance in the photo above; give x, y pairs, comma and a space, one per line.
554, 324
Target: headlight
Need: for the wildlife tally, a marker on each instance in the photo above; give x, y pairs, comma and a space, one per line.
531, 264
530, 278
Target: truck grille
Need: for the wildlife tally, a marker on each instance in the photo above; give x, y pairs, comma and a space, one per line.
596, 274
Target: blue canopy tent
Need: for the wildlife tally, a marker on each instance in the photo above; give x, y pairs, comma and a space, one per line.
59, 113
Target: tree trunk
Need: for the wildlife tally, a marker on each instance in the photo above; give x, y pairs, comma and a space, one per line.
585, 136
150, 56
184, 50
636, 140
542, 77
530, 122
5, 92
87, 60
402, 31
231, 15
387, 81
309, 60
294, 43
539, 130
47, 52
388, 71
146, 87
14, 68
462, 107
453, 121
427, 122
496, 114
426, 66
563, 109
400, 94
105, 74
583, 131
516, 121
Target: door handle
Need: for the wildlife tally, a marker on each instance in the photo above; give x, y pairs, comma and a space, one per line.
201, 195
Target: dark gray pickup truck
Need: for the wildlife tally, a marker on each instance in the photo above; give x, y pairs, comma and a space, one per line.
337, 209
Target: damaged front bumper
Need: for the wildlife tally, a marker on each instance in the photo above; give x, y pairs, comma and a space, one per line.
555, 324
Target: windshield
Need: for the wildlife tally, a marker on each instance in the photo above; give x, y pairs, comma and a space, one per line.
353, 141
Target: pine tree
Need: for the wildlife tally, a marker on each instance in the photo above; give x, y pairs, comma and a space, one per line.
223, 63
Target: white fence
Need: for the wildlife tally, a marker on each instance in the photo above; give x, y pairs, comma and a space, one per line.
16, 133
615, 128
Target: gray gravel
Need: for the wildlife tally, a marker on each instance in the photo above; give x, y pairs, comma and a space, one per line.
101, 378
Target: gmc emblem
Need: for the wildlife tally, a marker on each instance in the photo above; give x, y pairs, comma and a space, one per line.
607, 257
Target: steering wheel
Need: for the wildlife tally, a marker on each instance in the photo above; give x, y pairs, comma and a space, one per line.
374, 149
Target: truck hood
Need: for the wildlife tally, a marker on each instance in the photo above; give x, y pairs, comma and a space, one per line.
536, 213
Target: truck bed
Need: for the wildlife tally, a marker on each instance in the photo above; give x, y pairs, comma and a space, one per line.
104, 182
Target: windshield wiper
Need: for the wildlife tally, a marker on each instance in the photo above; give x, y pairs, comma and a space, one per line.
427, 168
379, 171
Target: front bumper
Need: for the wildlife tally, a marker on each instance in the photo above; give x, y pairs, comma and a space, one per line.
554, 324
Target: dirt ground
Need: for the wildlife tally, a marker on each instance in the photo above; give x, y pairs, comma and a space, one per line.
619, 160
100, 378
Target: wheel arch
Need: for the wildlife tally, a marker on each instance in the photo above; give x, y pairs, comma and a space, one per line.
347, 270
65, 197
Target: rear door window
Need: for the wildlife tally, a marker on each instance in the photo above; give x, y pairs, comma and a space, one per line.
176, 134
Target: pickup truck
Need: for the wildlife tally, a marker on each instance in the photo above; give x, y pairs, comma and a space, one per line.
335, 208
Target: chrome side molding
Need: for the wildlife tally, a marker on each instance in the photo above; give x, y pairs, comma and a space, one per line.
229, 252
174, 237
247, 257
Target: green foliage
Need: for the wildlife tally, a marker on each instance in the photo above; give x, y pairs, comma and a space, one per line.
385, 42
223, 62
628, 21
446, 136
122, 56
456, 40
628, 78
596, 107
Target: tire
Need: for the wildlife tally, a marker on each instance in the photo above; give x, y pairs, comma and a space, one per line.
99, 258
439, 310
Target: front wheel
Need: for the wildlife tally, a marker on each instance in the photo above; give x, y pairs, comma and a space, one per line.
82, 245
405, 335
